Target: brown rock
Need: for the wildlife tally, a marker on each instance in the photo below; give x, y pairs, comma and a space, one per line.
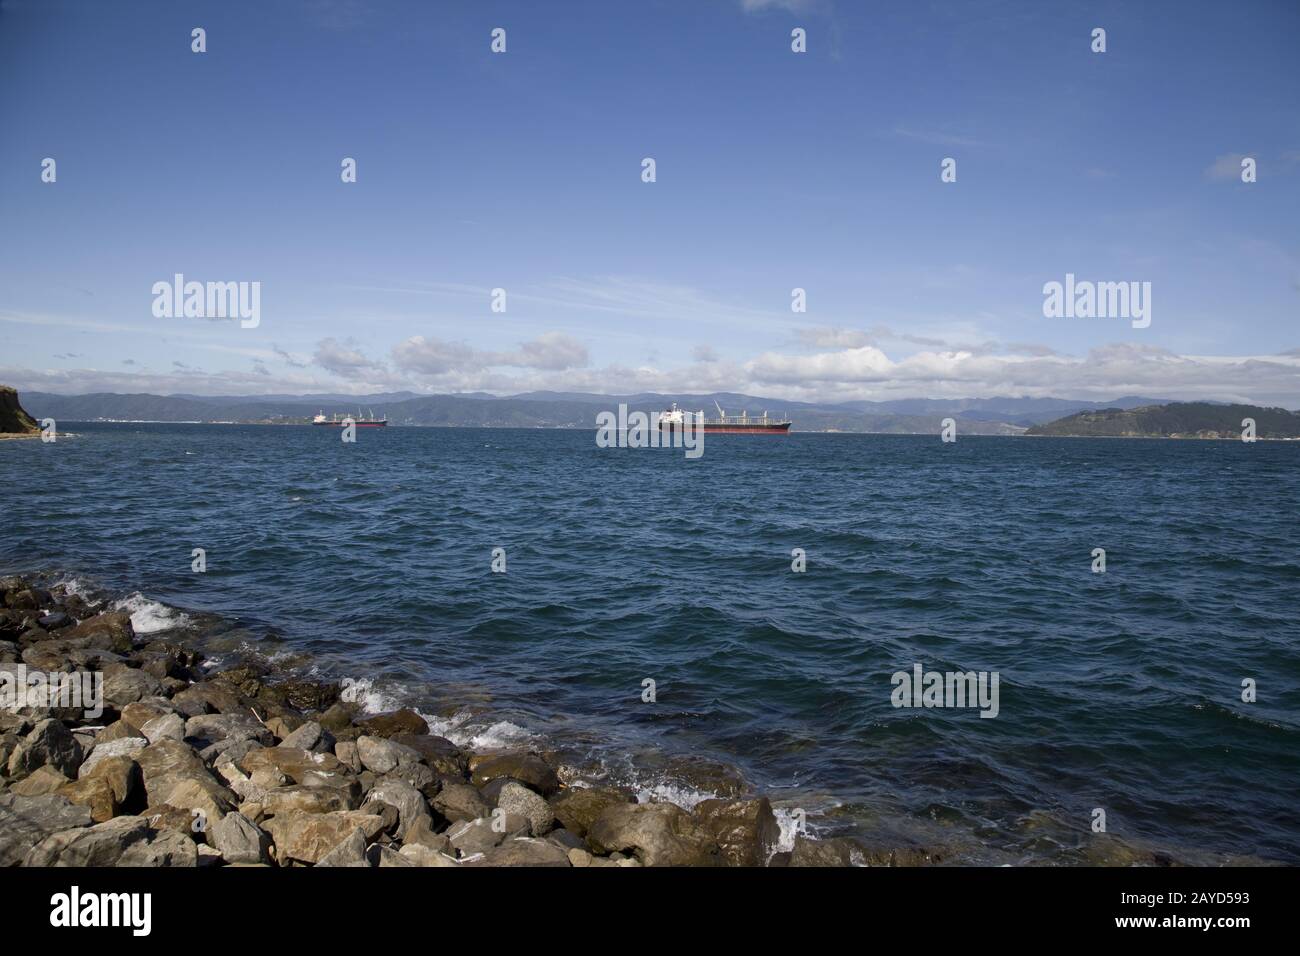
577, 809
745, 831
306, 837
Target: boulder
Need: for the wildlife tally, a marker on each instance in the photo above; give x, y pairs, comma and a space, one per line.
110, 631
240, 840
745, 831
300, 766
523, 851
527, 768
471, 837
837, 851
439, 753
422, 855
96, 794
310, 736
211, 697
121, 747
166, 727
460, 801
410, 803
383, 756
304, 799
578, 809
204, 730
125, 685
100, 845
306, 837
166, 848
41, 781
49, 743
660, 834
351, 852
26, 821
517, 799
405, 721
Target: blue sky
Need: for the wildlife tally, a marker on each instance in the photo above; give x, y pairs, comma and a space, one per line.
775, 170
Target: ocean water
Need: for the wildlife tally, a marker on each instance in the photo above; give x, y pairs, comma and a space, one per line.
373, 562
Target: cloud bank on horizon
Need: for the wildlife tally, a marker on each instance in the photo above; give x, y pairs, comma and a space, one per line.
801, 237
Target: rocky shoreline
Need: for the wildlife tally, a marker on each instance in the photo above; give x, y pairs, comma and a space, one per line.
177, 767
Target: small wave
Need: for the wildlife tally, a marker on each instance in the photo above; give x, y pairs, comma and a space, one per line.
465, 729
150, 617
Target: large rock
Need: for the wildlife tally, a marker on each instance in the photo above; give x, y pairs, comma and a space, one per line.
26, 821
439, 753
351, 852
49, 743
304, 799
121, 747
578, 809
100, 845
527, 768
110, 631
660, 834
745, 831
205, 730
405, 721
125, 685
460, 801
523, 851
240, 840
162, 849
166, 727
39, 782
472, 837
837, 851
421, 855
306, 837
310, 736
383, 756
297, 765
410, 803
211, 697
515, 798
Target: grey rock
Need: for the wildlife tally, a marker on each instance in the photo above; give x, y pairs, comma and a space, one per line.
383, 756
460, 801
351, 852
240, 840
26, 821
515, 798
48, 743
167, 727
123, 746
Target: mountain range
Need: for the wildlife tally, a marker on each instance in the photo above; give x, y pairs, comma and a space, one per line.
986, 416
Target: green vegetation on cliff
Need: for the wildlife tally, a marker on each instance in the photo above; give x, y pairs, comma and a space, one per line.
1177, 420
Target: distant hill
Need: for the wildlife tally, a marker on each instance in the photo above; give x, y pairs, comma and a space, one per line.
974, 416
1174, 420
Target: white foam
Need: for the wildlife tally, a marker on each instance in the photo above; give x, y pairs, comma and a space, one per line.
464, 730
362, 691
149, 617
684, 797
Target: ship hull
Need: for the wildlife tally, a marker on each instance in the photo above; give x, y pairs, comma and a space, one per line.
782, 428
358, 424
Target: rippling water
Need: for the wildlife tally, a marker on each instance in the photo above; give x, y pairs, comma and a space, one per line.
1119, 690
